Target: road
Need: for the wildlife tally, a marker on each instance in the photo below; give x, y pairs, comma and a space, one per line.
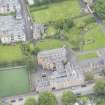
27, 20
82, 90
99, 22
82, 4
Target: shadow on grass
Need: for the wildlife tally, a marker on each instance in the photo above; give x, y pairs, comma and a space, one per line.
40, 7
33, 8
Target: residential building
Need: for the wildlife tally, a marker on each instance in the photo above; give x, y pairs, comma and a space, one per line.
8, 6
13, 32
38, 30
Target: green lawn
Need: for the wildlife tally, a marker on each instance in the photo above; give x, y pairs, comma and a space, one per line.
97, 37
13, 81
50, 31
87, 56
10, 53
84, 98
92, 35
8, 14
50, 44
55, 11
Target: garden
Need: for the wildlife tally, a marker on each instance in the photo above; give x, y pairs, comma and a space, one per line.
66, 23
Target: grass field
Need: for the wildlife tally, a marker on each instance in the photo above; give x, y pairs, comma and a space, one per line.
96, 35
55, 11
10, 53
50, 44
87, 56
13, 81
93, 35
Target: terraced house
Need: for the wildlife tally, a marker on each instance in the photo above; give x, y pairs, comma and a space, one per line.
8, 6
13, 32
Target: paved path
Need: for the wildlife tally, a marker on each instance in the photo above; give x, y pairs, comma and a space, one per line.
89, 51
27, 19
99, 22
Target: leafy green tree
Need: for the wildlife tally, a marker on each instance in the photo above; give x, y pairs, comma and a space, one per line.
47, 98
99, 8
68, 98
89, 76
31, 63
59, 24
99, 87
103, 72
68, 23
35, 51
30, 101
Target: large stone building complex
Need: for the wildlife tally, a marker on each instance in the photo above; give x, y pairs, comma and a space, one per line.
48, 59
63, 75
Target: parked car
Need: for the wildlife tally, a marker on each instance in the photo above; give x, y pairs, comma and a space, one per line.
21, 99
12, 101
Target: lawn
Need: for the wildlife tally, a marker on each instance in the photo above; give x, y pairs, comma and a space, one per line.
10, 53
92, 34
55, 11
50, 31
84, 98
87, 56
13, 81
96, 36
50, 44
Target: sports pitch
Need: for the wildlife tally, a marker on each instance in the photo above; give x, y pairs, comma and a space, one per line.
13, 81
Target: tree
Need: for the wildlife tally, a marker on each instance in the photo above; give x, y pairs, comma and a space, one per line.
35, 51
47, 98
31, 63
68, 23
99, 87
103, 72
99, 8
89, 76
68, 98
30, 101
59, 24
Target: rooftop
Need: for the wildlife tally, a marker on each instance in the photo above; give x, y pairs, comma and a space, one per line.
14, 27
54, 52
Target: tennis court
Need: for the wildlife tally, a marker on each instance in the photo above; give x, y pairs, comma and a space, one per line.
13, 81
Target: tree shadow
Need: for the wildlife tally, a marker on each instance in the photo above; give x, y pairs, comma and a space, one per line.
43, 6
